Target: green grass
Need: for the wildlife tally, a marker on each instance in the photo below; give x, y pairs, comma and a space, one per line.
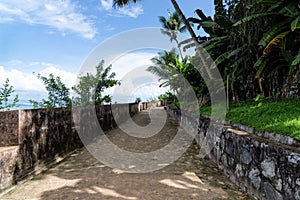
281, 117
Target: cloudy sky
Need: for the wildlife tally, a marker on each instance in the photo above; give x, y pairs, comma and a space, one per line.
58, 36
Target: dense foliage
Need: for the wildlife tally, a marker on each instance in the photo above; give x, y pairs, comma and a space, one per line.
255, 45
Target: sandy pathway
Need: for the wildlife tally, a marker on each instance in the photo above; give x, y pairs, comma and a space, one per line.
81, 176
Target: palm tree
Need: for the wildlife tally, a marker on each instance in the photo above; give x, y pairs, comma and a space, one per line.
174, 73
165, 67
121, 3
171, 27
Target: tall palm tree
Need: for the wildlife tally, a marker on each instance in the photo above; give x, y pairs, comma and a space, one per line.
121, 3
171, 27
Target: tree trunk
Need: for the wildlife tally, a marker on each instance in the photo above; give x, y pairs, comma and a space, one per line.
180, 52
194, 37
262, 92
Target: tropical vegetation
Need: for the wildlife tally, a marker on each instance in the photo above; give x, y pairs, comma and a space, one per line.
251, 60
254, 44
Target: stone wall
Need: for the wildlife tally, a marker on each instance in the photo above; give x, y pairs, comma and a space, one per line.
8, 158
43, 135
9, 121
265, 165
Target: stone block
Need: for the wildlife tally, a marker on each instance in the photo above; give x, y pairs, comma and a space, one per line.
245, 157
294, 158
268, 167
271, 193
254, 176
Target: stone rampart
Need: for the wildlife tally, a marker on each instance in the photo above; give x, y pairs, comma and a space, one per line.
265, 165
31, 139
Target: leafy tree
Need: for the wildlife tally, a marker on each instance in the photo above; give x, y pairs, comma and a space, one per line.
167, 96
90, 87
5, 92
58, 93
138, 100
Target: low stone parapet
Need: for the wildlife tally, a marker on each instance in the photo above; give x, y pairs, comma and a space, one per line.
33, 138
265, 165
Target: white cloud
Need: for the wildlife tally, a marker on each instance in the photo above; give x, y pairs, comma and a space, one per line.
25, 81
129, 68
60, 14
107, 4
135, 80
131, 11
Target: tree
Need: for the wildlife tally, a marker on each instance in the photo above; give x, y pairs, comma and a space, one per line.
138, 100
280, 43
171, 27
121, 3
165, 68
5, 92
90, 87
58, 93
176, 74
168, 96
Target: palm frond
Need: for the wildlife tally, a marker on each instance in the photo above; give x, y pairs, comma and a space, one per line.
296, 61
295, 24
122, 3
272, 33
276, 40
227, 55
252, 17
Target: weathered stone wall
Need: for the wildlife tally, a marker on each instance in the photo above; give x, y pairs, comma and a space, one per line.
265, 165
8, 158
9, 121
42, 135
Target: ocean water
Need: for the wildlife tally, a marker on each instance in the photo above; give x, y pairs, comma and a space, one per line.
22, 105
25, 96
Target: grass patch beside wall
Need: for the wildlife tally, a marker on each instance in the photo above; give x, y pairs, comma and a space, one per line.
281, 117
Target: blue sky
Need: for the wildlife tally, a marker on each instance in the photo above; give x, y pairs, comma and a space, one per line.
56, 36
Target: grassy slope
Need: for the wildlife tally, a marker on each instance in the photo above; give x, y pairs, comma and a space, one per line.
281, 117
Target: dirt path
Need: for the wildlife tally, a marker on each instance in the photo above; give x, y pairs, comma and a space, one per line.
81, 176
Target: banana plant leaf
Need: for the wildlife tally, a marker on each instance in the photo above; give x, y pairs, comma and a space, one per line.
296, 61
273, 33
252, 17
228, 55
275, 41
295, 24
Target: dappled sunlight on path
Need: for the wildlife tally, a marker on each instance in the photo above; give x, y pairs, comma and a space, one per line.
81, 176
